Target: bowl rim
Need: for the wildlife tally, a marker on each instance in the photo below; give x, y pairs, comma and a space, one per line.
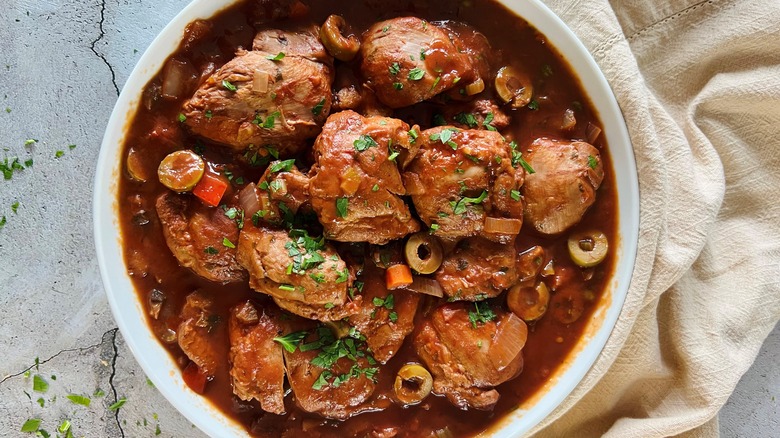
159, 366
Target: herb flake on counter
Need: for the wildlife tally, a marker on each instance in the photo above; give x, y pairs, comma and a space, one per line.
39, 385
31, 425
119, 403
79, 399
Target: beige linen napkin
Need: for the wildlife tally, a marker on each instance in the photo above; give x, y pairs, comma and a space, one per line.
699, 86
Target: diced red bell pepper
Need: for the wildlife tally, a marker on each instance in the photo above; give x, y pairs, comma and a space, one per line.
210, 189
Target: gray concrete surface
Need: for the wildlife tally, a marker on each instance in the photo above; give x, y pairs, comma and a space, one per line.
62, 63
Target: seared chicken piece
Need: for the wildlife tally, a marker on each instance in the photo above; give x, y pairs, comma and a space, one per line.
333, 386
261, 98
568, 173
282, 190
294, 268
464, 357
478, 269
194, 332
355, 183
460, 177
256, 362
385, 318
407, 60
302, 42
318, 312
195, 234
476, 46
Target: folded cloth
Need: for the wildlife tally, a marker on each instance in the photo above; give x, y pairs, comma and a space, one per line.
699, 86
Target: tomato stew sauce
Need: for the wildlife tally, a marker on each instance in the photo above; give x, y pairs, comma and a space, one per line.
156, 131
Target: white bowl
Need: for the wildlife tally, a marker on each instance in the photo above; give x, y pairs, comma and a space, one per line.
163, 371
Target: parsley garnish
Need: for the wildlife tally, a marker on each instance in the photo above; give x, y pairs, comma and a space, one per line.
436, 82
395, 68
211, 250
342, 206
364, 142
317, 110
287, 287
534, 105
515, 194
467, 119
547, 70
227, 243
393, 155
517, 158
291, 340
393, 316
278, 57
182, 118
398, 85
592, 162
343, 276
283, 166
228, 86
416, 74
434, 228
270, 121
388, 302
375, 188
460, 206
482, 314
209, 114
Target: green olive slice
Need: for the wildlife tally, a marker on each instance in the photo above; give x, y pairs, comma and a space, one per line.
529, 303
412, 384
423, 253
341, 47
513, 87
181, 171
588, 248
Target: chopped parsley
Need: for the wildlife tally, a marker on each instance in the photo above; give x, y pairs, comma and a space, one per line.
388, 302
375, 188
422, 54
395, 68
317, 110
436, 82
182, 118
445, 136
291, 340
79, 399
416, 74
482, 314
459, 207
332, 350
283, 166
287, 287
304, 251
318, 277
547, 70
434, 228
211, 250
227, 243
398, 85
343, 276
342, 205
235, 214
270, 121
515, 194
467, 119
393, 155
592, 162
413, 134
393, 316
487, 122
228, 86
209, 114
278, 57
517, 159
364, 142
533, 105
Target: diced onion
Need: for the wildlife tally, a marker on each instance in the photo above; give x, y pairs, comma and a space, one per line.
260, 81
569, 121
178, 76
500, 225
427, 286
508, 342
249, 200
592, 132
475, 87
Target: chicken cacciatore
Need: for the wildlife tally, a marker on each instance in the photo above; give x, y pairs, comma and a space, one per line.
368, 218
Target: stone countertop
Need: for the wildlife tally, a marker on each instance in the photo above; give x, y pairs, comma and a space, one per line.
62, 64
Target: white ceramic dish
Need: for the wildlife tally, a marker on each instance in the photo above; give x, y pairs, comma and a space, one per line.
165, 374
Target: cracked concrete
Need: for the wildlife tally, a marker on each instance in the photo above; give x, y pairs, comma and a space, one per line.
62, 64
